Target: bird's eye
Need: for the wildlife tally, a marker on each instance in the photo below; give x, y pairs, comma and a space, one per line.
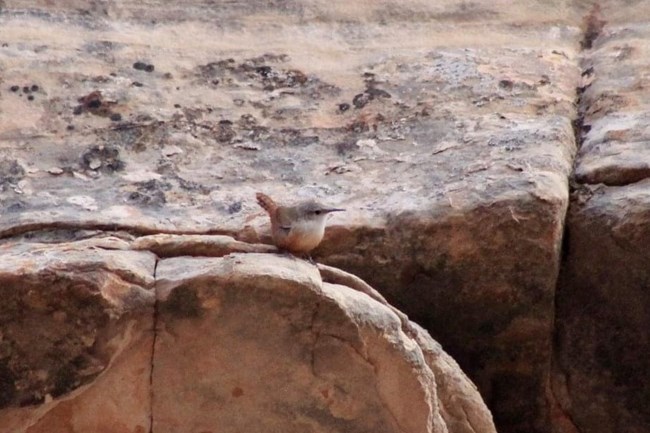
318, 212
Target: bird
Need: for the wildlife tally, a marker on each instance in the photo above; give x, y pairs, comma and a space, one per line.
296, 229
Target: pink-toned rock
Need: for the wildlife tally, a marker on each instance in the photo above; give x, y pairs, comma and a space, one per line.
259, 343
75, 337
167, 245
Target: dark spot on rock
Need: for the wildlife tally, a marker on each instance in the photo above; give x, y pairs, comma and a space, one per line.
544, 80
177, 105
91, 101
14, 88
10, 171
30, 97
264, 71
224, 132
30, 399
234, 207
182, 303
104, 158
149, 68
506, 84
70, 127
7, 386
16, 207
140, 66
358, 126
593, 25
78, 110
377, 93
215, 82
344, 107
168, 75
116, 117
26, 89
34, 88
345, 147
136, 84
65, 380
295, 137
190, 185
150, 193
247, 121
296, 77
361, 100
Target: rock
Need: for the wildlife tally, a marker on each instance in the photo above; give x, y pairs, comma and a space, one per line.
239, 336
602, 371
75, 335
602, 316
196, 245
279, 350
462, 231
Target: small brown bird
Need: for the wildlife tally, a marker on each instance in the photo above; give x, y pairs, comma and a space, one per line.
297, 229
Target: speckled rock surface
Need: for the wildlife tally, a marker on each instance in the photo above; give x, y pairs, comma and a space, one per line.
447, 130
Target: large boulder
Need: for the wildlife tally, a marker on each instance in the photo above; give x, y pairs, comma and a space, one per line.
247, 341
258, 342
76, 324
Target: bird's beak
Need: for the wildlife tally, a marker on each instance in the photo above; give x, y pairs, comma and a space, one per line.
333, 210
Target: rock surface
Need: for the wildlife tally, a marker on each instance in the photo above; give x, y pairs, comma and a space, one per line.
249, 341
449, 130
257, 342
602, 372
75, 337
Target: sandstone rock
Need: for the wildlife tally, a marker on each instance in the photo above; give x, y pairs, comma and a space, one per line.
259, 343
601, 376
602, 317
74, 342
248, 341
445, 129
165, 245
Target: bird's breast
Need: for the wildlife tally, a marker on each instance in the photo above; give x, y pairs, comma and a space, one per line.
304, 236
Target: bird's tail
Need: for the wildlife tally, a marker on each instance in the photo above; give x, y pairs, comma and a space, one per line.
267, 203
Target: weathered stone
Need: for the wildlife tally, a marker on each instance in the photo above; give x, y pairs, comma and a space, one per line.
615, 130
196, 245
602, 318
258, 343
452, 163
601, 374
73, 337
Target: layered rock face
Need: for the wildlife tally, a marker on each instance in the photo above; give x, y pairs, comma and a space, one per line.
99, 337
602, 368
456, 135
